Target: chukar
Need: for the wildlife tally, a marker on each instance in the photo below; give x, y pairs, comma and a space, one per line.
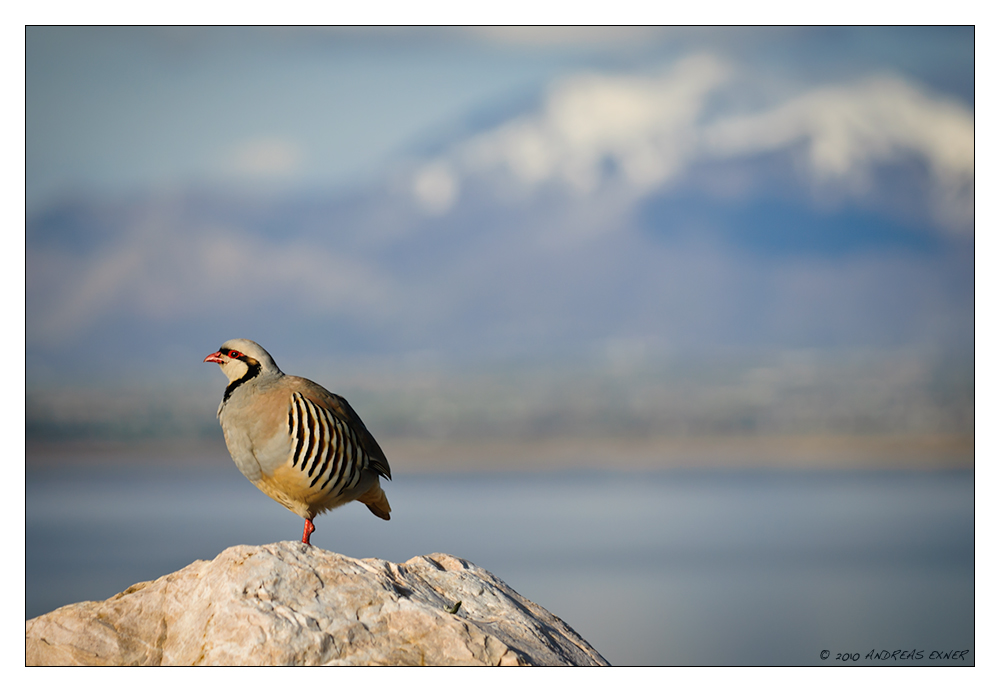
297, 442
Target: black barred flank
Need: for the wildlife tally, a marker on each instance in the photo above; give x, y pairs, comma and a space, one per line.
325, 450
337, 471
311, 448
298, 432
321, 432
325, 447
345, 455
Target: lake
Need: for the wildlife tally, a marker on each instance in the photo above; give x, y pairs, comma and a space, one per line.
681, 567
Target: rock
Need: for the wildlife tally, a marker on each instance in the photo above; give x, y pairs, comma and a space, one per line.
292, 604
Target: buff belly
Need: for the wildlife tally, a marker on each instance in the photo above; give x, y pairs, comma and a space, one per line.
291, 488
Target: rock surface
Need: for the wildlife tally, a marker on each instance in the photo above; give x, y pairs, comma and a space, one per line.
292, 604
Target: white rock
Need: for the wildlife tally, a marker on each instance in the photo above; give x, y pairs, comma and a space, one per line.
292, 604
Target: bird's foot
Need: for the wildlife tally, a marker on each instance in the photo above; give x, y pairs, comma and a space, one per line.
307, 531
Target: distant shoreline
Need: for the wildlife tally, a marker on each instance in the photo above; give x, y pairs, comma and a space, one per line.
555, 454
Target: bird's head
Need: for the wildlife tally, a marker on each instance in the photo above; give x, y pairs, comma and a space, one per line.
239, 358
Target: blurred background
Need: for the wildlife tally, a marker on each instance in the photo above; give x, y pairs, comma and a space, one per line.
671, 329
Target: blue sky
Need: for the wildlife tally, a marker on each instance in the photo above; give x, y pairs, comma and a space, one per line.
113, 110
494, 193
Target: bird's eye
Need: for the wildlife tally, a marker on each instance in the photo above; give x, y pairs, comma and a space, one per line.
235, 354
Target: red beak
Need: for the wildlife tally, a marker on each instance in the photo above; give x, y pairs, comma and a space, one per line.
214, 358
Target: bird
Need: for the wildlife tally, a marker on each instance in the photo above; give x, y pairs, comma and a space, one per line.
300, 444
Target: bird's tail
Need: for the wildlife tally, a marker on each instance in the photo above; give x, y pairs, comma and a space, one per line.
374, 498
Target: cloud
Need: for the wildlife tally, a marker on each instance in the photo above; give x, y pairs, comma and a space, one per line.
642, 125
436, 187
850, 129
644, 132
264, 157
163, 271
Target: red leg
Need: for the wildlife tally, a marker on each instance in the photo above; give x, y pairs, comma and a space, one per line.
307, 531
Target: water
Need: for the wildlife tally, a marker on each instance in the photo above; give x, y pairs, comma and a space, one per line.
665, 568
